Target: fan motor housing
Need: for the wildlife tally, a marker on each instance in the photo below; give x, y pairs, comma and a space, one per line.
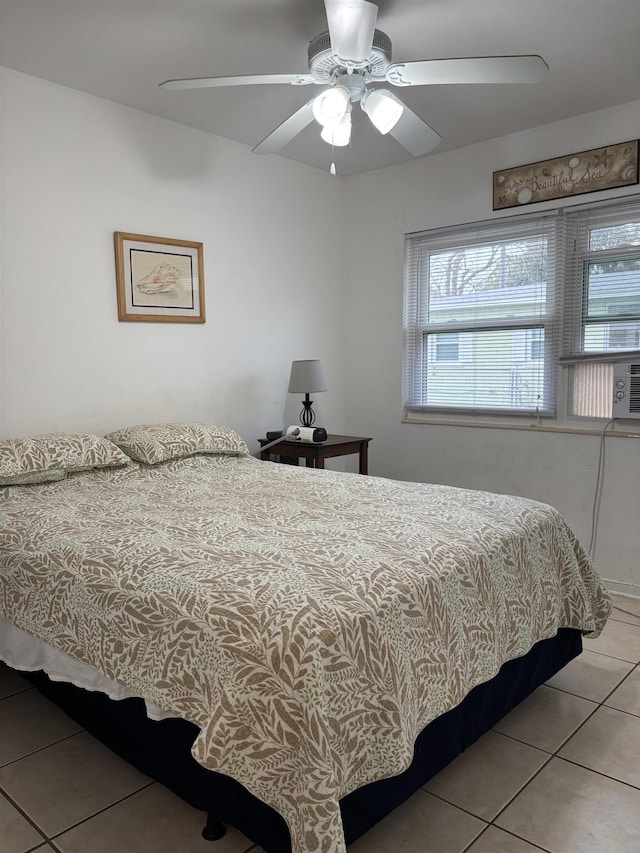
323, 65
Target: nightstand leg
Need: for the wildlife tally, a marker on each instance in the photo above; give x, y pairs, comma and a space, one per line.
364, 458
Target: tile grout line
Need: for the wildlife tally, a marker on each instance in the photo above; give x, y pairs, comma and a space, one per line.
26, 817
633, 662
51, 838
597, 705
554, 754
562, 745
40, 749
508, 832
15, 692
47, 838
608, 696
626, 612
597, 772
102, 810
550, 755
517, 794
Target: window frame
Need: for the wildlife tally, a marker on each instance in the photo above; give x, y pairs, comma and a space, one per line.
581, 222
417, 328
564, 345
437, 344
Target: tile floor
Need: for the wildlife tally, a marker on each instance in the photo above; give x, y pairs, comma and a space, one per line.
561, 773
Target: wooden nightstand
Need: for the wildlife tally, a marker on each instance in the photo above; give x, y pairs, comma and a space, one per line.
315, 454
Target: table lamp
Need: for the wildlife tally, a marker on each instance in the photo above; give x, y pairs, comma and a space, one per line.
306, 378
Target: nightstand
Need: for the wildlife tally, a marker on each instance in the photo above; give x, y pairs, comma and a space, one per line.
315, 454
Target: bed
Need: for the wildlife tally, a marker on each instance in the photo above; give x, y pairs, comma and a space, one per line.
318, 643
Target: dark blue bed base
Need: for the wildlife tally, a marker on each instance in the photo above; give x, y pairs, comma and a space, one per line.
161, 749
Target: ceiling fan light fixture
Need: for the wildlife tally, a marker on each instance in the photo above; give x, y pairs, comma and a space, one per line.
351, 55
382, 108
330, 107
338, 134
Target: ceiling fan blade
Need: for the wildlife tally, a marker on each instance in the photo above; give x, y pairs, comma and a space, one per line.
481, 69
351, 27
246, 80
412, 132
286, 131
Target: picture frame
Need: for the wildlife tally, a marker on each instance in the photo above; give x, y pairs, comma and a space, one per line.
158, 279
596, 169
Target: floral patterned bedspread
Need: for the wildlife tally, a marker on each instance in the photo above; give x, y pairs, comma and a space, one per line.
311, 623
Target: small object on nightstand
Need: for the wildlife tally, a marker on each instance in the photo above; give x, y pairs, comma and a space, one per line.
273, 434
315, 434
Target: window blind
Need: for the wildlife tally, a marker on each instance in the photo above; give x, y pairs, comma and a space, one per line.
602, 307
480, 316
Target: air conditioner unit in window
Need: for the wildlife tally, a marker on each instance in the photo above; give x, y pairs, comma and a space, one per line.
626, 390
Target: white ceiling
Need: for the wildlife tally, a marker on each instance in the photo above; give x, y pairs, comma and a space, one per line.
122, 50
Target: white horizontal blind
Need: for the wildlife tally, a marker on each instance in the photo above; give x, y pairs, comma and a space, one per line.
602, 304
603, 294
480, 308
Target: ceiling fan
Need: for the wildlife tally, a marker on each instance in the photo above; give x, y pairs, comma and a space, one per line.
350, 59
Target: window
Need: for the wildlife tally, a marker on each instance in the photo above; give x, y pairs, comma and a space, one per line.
603, 302
536, 344
480, 318
447, 347
493, 312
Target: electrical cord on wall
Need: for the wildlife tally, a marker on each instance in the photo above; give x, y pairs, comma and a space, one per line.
598, 493
596, 509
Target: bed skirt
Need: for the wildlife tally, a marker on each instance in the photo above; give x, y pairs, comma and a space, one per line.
162, 748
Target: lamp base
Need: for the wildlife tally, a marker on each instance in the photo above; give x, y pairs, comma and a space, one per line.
307, 415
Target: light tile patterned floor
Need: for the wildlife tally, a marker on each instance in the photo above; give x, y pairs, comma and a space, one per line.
561, 774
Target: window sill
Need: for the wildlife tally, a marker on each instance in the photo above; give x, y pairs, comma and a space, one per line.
563, 428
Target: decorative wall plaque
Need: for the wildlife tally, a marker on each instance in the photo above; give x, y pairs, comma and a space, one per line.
561, 177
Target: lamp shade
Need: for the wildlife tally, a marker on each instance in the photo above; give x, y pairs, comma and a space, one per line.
331, 105
382, 108
338, 134
306, 377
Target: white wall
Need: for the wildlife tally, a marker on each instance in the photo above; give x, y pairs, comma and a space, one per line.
76, 168
560, 469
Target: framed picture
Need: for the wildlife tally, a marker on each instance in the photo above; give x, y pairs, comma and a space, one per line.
570, 175
159, 280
